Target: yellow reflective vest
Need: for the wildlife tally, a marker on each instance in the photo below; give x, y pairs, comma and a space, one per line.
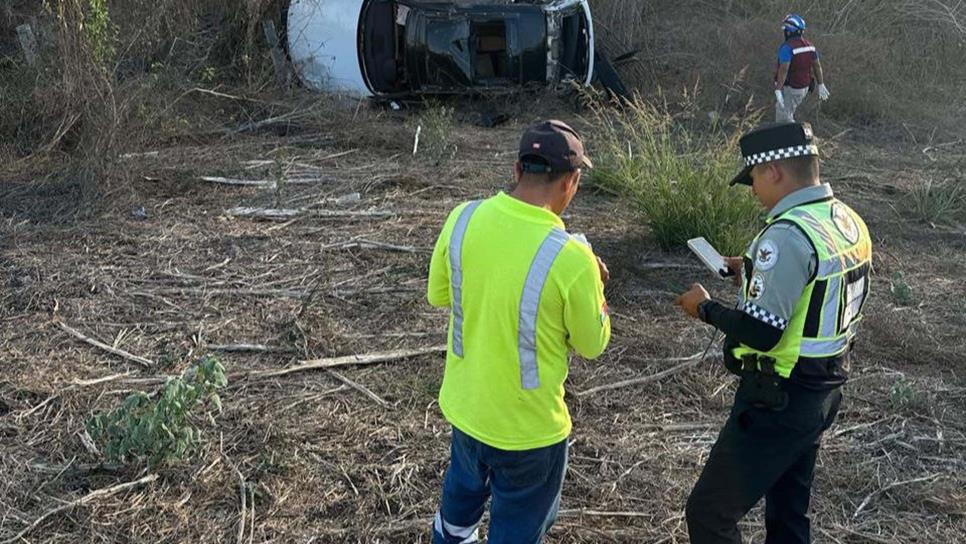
522, 292
824, 320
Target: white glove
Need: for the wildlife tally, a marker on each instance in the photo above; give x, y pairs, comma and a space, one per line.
780, 98
823, 93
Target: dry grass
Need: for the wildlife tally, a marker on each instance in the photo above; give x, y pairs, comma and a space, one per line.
311, 456
315, 459
728, 49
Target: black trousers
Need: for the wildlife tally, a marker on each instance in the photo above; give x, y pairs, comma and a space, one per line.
762, 453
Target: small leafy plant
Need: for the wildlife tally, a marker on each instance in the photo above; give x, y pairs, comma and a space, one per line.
902, 394
161, 430
100, 31
901, 291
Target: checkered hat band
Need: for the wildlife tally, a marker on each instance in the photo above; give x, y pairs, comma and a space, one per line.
779, 154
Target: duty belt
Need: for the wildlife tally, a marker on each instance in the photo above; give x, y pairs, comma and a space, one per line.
760, 384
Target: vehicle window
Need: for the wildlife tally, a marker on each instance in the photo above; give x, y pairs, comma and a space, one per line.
490, 57
448, 62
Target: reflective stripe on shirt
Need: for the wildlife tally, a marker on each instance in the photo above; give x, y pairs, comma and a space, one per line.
530, 303
456, 273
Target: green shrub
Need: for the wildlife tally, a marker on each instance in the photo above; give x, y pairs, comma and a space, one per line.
161, 430
676, 172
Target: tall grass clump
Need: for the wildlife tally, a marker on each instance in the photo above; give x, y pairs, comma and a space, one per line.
937, 202
676, 172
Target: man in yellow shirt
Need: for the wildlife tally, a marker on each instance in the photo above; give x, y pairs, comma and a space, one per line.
522, 293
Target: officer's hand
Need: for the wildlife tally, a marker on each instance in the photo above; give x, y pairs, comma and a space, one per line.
604, 273
692, 299
736, 265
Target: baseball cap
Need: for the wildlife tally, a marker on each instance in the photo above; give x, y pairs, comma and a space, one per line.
557, 144
774, 142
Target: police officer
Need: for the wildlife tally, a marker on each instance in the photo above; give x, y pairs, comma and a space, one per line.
522, 293
805, 279
798, 65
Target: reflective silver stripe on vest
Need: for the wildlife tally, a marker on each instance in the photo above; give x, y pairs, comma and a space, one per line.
823, 348
830, 308
530, 302
837, 265
456, 273
818, 227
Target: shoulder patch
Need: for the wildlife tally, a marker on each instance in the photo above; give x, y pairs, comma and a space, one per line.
766, 255
845, 223
757, 287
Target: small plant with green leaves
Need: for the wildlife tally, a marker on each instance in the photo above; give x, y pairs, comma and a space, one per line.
937, 202
675, 172
161, 430
901, 291
437, 134
100, 32
901, 395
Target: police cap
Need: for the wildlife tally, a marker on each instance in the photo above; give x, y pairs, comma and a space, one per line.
774, 142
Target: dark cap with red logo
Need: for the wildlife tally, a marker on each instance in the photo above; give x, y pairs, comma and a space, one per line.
554, 143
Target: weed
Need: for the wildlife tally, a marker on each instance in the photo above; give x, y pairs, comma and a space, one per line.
436, 138
901, 292
901, 395
162, 430
937, 202
101, 34
675, 173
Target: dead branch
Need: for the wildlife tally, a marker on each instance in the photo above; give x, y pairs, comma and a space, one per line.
260, 183
348, 360
243, 498
98, 344
689, 362
85, 383
865, 502
601, 513
242, 348
361, 388
265, 213
370, 244
93, 495
276, 214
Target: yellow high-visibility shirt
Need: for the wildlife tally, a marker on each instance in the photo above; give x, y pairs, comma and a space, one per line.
521, 292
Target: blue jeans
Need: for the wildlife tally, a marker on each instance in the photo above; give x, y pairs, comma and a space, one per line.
524, 485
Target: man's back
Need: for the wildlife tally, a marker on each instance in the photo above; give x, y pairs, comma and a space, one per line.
527, 292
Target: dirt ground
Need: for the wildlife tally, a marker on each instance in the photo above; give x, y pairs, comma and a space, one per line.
357, 453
